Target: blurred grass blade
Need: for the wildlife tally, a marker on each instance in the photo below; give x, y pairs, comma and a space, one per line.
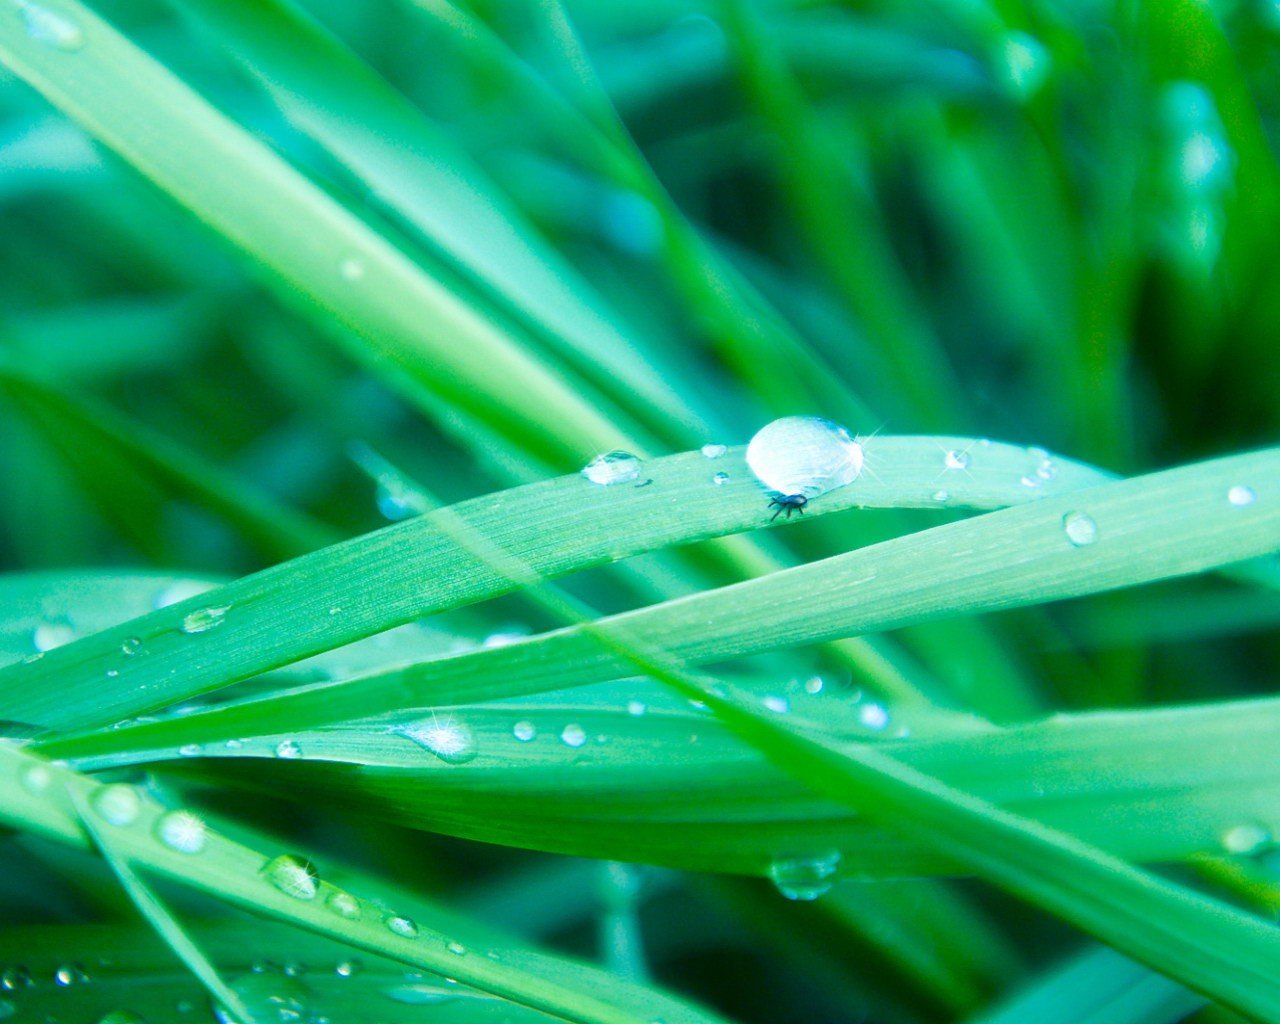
343, 268
34, 797
412, 569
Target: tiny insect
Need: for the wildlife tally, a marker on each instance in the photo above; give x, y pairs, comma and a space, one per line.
788, 503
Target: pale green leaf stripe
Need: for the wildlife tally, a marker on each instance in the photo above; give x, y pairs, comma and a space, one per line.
1151, 527
305, 239
410, 165
409, 570
1152, 785
1207, 945
34, 797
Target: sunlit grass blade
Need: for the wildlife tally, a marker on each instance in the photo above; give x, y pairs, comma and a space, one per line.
412, 569
35, 798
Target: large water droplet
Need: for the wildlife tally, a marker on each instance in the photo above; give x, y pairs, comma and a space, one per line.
49, 635
117, 804
804, 455
446, 737
615, 467
805, 877
294, 876
405, 927
182, 831
50, 27
573, 735
271, 997
1241, 495
204, 619
1080, 528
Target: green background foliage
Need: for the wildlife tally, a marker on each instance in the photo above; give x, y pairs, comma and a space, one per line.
997, 716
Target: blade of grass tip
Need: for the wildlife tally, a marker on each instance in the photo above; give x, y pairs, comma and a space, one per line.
348, 272
178, 845
403, 572
1167, 524
160, 918
413, 168
1098, 986
278, 530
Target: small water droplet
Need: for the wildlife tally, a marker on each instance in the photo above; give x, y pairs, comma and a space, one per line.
636, 708
804, 455
942, 497
14, 978
1030, 482
956, 459
351, 269
813, 684
292, 875
36, 778
117, 804
805, 877
714, 451
1080, 528
204, 619
343, 904
1246, 839
49, 635
271, 997
573, 735
70, 974
524, 731
1242, 495
50, 27
720, 479
778, 705
346, 968
1024, 64
457, 949
616, 467
182, 831
405, 927
445, 736
289, 750
189, 750
234, 744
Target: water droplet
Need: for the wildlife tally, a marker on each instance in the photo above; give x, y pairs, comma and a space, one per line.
956, 459
714, 451
14, 978
720, 479
805, 877
636, 708
36, 778
204, 619
457, 949
524, 731
615, 467
1024, 64
189, 750
573, 735
445, 736
504, 638
129, 647
804, 455
351, 269
346, 968
1241, 495
942, 496
1080, 528
49, 635
117, 804
873, 716
1246, 839
343, 904
1030, 482
50, 27
294, 876
813, 684
70, 974
778, 705
289, 750
234, 744
182, 831
271, 997
405, 927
